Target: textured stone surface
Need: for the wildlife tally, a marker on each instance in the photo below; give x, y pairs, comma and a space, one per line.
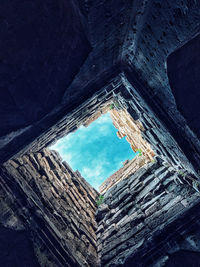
132, 129
183, 258
16, 249
137, 209
130, 166
184, 77
57, 207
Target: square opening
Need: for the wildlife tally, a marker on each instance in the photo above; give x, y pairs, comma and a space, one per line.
107, 147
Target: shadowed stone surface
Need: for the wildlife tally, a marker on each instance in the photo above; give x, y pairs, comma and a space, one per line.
184, 258
56, 206
43, 46
134, 219
184, 77
16, 250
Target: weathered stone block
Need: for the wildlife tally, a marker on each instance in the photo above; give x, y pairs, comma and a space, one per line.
153, 208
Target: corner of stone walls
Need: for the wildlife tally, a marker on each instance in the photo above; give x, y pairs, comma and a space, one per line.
137, 208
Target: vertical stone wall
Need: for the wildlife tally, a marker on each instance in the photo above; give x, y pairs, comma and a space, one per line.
155, 131
16, 248
57, 207
130, 166
137, 209
132, 129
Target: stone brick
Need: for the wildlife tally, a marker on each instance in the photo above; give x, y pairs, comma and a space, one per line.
146, 190
155, 207
60, 206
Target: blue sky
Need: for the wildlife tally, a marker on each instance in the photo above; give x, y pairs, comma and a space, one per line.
95, 151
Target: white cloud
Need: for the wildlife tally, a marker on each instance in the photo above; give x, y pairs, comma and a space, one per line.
92, 172
103, 119
104, 130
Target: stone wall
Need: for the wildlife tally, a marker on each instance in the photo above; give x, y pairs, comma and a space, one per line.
56, 206
53, 208
155, 132
62, 61
16, 248
184, 78
132, 129
130, 167
138, 209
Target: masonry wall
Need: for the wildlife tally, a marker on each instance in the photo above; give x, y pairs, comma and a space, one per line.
153, 130
130, 167
137, 211
56, 206
16, 248
49, 211
132, 129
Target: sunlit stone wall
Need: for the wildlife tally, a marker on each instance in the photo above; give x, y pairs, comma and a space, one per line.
57, 207
132, 129
130, 166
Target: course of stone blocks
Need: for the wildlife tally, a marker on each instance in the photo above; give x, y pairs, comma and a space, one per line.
136, 210
130, 166
132, 129
57, 208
